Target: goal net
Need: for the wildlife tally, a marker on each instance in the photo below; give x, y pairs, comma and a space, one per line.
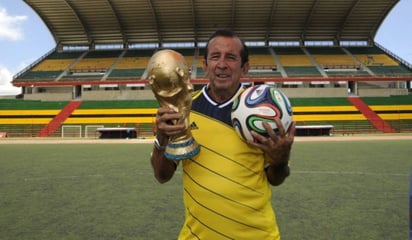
71, 131
90, 131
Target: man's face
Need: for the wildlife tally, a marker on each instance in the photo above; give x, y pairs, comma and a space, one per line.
223, 63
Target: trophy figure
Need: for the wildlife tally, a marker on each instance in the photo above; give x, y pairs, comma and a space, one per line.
168, 75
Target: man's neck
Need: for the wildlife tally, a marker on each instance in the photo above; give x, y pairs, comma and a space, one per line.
220, 96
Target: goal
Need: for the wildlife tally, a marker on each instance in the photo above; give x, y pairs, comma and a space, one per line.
90, 131
71, 131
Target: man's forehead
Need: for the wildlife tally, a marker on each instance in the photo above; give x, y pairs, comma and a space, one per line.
225, 45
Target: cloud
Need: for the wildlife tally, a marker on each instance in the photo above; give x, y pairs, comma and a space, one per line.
10, 26
6, 88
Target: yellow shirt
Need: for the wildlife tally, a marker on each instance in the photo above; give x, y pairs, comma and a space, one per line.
226, 192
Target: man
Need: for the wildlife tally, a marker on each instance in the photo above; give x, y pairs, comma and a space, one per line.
226, 187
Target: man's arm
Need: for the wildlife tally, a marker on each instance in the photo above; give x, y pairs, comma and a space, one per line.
277, 174
277, 149
163, 168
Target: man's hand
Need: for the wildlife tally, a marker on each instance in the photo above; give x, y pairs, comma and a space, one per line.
166, 126
277, 147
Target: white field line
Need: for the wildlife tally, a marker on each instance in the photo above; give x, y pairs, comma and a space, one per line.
179, 172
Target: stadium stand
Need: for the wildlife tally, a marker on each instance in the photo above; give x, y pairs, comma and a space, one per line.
132, 64
262, 63
94, 63
321, 65
378, 61
51, 67
296, 63
28, 118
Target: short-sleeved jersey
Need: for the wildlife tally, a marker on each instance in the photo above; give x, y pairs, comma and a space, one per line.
226, 192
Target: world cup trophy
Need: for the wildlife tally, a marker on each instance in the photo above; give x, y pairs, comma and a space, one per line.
168, 75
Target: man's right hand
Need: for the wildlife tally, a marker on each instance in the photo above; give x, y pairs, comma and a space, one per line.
166, 119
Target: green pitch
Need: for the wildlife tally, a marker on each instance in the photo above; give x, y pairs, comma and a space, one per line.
337, 190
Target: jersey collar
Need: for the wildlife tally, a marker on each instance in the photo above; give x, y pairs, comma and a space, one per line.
223, 104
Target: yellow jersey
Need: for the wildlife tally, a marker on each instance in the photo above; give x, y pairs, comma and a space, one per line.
225, 189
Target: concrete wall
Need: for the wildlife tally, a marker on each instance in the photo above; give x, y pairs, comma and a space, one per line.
49, 96
66, 93
118, 95
315, 92
386, 92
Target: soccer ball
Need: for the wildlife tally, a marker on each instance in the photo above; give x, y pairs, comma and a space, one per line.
258, 104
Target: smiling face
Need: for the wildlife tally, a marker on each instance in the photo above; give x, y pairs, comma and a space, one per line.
223, 66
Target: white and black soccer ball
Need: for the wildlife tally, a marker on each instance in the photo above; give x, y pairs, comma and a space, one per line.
258, 104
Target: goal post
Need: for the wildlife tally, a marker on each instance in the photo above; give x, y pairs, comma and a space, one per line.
90, 131
71, 131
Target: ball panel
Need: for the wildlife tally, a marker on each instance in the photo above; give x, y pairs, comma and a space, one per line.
258, 104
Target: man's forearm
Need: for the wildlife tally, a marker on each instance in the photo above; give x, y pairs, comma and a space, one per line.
277, 174
163, 168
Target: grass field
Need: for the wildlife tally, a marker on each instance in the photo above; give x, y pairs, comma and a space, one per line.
337, 190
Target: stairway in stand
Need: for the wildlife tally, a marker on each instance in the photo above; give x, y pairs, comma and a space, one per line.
372, 117
57, 121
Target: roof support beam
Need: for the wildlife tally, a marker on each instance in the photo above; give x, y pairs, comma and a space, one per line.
156, 20
194, 21
83, 24
345, 19
375, 28
233, 22
119, 23
270, 21
309, 19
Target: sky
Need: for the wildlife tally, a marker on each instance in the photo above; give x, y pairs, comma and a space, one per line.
24, 38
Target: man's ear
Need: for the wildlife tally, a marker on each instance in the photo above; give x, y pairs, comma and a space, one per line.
204, 65
245, 69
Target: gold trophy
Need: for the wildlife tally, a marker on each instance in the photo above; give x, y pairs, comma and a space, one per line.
168, 75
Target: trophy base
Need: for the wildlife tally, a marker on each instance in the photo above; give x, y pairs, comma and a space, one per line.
182, 150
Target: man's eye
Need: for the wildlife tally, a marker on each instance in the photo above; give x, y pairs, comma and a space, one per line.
214, 57
232, 58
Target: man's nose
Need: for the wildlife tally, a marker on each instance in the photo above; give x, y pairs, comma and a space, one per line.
222, 63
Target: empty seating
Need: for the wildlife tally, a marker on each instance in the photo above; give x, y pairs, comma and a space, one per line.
93, 65
262, 63
372, 56
52, 66
295, 62
292, 57
378, 61
132, 64
332, 57
261, 57
40, 75
299, 71
96, 61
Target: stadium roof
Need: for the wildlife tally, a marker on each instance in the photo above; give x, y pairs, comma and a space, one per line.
86, 22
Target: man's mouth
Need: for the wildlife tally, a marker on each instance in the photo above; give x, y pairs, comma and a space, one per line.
222, 75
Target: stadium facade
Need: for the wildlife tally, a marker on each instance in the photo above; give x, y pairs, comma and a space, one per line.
309, 48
